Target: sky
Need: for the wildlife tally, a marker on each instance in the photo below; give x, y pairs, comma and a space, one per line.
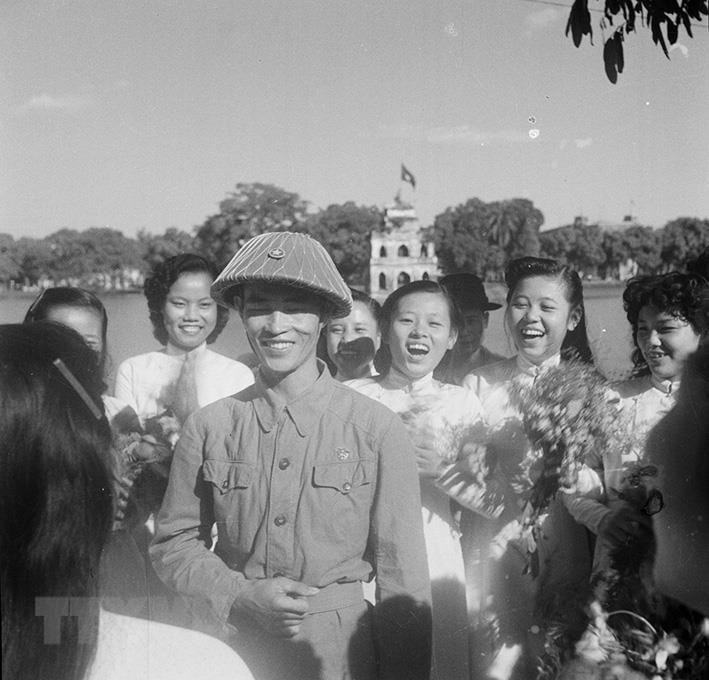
145, 114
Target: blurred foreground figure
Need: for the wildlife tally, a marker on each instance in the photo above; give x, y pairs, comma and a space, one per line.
56, 510
313, 489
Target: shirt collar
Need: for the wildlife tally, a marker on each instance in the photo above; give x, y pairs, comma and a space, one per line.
177, 353
667, 387
399, 382
528, 368
304, 410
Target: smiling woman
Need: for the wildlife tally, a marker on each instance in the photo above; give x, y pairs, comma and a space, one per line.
419, 325
185, 375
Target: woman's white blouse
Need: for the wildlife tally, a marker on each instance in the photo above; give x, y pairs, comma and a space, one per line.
147, 381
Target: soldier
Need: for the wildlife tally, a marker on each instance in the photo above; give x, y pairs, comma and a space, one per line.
313, 488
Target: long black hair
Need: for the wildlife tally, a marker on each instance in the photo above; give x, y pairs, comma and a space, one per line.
157, 287
55, 500
575, 345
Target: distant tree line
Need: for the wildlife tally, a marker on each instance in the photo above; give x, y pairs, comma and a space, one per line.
603, 253
474, 236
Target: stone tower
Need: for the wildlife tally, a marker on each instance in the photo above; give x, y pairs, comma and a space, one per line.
400, 253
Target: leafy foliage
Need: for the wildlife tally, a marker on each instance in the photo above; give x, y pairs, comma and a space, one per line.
480, 237
158, 247
250, 210
344, 230
663, 18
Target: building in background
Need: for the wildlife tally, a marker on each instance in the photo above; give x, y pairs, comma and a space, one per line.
400, 251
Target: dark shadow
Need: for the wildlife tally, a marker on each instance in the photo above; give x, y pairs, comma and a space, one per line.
395, 635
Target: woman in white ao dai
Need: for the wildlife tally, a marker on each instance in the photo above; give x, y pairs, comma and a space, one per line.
418, 328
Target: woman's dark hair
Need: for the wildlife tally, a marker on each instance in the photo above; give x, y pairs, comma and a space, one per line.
375, 309
575, 345
55, 500
682, 295
382, 360
157, 287
50, 298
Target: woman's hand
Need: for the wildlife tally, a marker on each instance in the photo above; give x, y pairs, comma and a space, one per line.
428, 460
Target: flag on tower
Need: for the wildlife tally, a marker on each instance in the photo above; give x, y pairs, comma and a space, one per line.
406, 176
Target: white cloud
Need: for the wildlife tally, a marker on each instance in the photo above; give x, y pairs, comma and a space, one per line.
583, 143
453, 134
47, 102
121, 84
543, 18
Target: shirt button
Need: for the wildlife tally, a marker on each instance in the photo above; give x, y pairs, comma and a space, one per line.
225, 484
346, 487
284, 463
279, 521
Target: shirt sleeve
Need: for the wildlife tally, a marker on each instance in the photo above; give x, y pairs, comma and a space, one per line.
180, 550
123, 388
587, 505
402, 615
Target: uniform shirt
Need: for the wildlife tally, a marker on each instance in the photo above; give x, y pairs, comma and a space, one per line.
322, 489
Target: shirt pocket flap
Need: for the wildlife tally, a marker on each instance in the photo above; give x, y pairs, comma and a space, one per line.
227, 474
343, 476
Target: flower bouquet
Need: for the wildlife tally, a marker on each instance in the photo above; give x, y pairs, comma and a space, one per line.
137, 449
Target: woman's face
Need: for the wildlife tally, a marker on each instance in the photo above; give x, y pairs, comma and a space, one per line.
420, 334
87, 322
189, 312
666, 341
539, 316
353, 341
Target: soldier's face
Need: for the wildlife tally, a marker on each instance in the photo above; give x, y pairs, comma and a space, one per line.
282, 324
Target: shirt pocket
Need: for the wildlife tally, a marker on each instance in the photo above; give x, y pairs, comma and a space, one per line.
344, 477
227, 475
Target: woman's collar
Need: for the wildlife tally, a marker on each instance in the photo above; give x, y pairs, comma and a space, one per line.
528, 368
173, 351
665, 386
396, 380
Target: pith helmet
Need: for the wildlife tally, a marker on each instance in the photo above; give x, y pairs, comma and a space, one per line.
284, 257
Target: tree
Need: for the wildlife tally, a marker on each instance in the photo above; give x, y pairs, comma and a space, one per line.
682, 240
481, 237
9, 269
460, 237
514, 226
109, 253
250, 210
33, 257
643, 246
156, 248
663, 18
68, 260
345, 231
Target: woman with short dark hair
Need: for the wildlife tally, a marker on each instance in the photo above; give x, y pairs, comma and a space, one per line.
185, 375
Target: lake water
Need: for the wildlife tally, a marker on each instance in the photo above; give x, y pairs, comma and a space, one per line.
130, 332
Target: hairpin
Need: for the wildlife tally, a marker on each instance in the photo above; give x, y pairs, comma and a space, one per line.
78, 388
34, 305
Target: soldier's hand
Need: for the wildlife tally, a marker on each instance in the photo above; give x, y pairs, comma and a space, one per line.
278, 605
